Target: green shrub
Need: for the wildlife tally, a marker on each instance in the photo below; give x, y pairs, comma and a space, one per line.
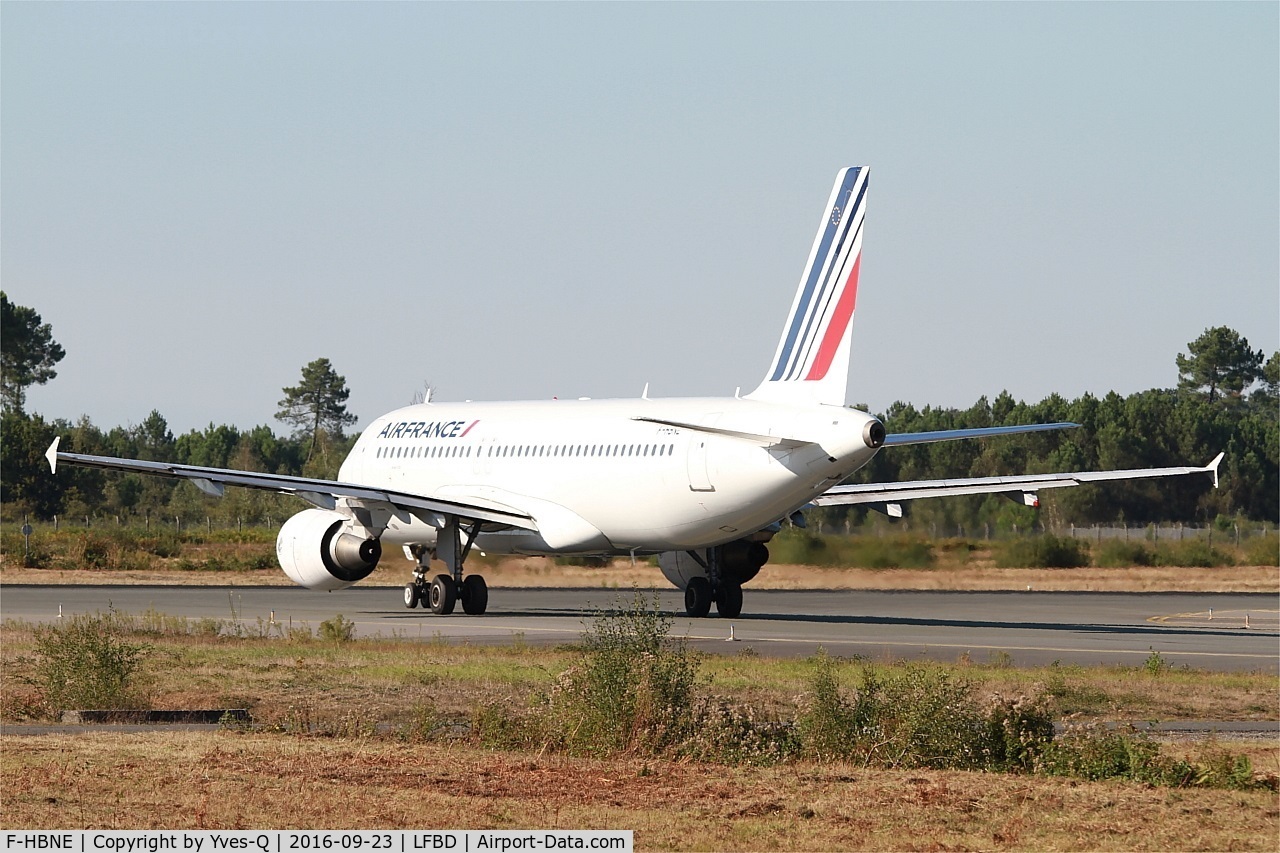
1094, 753
803, 547
898, 552
1018, 731
86, 663
1119, 554
799, 547
828, 726
338, 629
1043, 552
912, 716
633, 689
1192, 553
1263, 550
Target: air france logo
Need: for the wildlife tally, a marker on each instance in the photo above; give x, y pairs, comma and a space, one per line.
430, 429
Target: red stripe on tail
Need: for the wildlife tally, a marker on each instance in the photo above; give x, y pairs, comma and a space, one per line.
836, 328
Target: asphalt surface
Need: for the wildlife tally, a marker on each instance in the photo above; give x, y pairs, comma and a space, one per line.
1199, 630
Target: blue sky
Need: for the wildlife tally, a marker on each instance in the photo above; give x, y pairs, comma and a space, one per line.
521, 201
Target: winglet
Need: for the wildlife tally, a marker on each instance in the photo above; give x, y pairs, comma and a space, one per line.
52, 455
1212, 468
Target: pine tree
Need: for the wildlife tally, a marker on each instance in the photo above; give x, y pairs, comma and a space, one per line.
317, 404
1221, 365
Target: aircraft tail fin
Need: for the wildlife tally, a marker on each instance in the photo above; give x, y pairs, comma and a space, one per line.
811, 364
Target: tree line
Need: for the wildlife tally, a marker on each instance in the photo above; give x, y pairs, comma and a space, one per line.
1227, 399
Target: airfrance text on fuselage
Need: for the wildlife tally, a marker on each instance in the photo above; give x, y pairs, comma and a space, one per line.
428, 429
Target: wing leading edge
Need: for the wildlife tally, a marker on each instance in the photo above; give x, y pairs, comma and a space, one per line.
321, 493
888, 497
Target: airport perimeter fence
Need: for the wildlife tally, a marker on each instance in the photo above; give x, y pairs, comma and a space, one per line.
1237, 532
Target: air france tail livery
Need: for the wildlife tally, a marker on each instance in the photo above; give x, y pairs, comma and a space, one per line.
702, 482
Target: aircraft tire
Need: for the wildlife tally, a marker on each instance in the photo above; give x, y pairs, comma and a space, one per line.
442, 594
729, 601
411, 596
474, 595
697, 597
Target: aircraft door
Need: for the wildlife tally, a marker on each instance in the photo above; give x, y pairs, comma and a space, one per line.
699, 475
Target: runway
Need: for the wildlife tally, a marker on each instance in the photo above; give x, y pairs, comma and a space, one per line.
1199, 630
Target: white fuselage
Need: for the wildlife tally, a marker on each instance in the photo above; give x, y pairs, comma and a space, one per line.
596, 479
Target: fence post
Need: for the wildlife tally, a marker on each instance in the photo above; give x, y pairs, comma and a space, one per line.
208, 523
55, 524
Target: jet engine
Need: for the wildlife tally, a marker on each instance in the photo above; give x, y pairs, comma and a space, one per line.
322, 549
740, 561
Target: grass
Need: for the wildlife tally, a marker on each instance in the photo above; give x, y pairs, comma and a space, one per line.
228, 779
270, 670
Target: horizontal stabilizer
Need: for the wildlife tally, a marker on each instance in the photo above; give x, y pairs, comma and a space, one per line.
978, 432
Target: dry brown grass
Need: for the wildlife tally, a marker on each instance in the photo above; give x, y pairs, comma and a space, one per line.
228, 780
543, 573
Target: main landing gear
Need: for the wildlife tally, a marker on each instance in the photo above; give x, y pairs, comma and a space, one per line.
715, 588
443, 592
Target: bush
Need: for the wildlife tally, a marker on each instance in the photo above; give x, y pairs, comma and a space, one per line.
803, 547
828, 727
1192, 553
1263, 550
85, 663
1119, 554
103, 551
1043, 552
632, 691
1091, 753
915, 716
1019, 730
338, 629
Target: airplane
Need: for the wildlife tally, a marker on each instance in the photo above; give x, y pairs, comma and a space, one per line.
704, 483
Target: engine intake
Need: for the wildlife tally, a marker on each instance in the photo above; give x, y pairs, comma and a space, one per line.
873, 434
319, 549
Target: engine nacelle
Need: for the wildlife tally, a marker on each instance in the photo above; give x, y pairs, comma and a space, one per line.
740, 561
321, 549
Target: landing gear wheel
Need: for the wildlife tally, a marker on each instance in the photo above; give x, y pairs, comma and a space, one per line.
475, 595
411, 595
729, 601
442, 594
697, 598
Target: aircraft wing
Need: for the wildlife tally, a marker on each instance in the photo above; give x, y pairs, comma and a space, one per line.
888, 497
321, 493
